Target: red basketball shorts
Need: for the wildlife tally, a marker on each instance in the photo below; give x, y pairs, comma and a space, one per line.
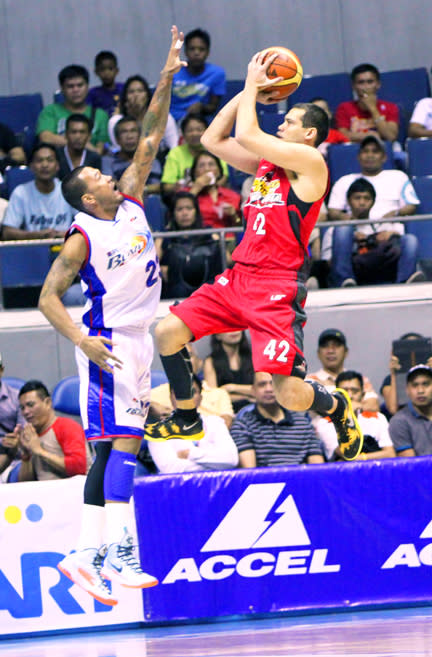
271, 308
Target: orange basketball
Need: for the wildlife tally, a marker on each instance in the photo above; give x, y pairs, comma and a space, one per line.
286, 65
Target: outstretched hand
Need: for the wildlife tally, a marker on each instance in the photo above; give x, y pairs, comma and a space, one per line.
173, 62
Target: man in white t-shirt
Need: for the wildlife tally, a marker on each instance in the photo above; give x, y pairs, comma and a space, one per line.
377, 442
37, 209
420, 124
395, 196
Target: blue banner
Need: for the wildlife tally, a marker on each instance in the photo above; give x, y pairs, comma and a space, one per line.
285, 539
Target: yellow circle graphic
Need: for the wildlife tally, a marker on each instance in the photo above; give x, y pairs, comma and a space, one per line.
12, 514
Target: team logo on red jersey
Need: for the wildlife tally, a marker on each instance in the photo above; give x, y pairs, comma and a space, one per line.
264, 191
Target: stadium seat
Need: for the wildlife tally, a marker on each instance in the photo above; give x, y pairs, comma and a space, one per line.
17, 176
65, 396
335, 88
155, 212
158, 377
24, 266
405, 87
20, 113
342, 159
423, 229
270, 122
13, 382
419, 156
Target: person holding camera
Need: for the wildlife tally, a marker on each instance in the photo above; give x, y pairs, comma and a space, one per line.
371, 253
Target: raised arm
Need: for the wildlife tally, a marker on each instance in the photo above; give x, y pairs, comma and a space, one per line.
154, 123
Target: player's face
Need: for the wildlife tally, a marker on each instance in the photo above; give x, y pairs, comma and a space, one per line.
77, 135
196, 52
136, 95
44, 165
103, 188
360, 204
107, 71
206, 164
193, 132
184, 212
353, 388
366, 83
36, 411
292, 129
332, 355
128, 137
419, 390
75, 91
263, 388
371, 159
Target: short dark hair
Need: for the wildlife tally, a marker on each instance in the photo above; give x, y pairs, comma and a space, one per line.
73, 71
79, 118
314, 117
39, 147
36, 385
73, 188
122, 121
347, 375
208, 154
364, 68
105, 54
198, 33
361, 185
123, 95
193, 116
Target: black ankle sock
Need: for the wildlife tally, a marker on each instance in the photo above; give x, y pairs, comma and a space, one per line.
187, 414
178, 369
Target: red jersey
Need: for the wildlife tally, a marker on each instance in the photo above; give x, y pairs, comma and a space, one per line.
278, 224
351, 116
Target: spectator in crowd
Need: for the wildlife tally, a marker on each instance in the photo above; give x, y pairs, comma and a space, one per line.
219, 206
371, 253
420, 124
10, 417
367, 114
395, 196
107, 95
334, 136
134, 101
374, 425
187, 261
268, 435
215, 451
52, 447
411, 426
51, 123
214, 401
179, 161
11, 153
128, 133
201, 86
229, 366
75, 152
389, 388
37, 208
332, 353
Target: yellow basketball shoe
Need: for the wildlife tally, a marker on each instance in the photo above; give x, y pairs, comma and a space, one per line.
174, 426
349, 434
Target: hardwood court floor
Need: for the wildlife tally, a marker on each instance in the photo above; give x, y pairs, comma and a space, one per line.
391, 633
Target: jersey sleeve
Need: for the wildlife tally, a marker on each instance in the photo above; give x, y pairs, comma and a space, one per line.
420, 112
400, 433
47, 120
71, 439
343, 116
15, 215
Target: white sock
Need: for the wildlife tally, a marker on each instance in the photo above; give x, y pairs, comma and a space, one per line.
117, 515
92, 527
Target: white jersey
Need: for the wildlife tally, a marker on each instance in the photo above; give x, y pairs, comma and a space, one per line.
121, 276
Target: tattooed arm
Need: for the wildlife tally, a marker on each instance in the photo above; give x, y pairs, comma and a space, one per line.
154, 122
60, 277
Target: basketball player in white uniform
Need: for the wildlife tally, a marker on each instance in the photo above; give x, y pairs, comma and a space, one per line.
111, 247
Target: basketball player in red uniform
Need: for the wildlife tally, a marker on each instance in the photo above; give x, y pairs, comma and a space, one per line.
265, 291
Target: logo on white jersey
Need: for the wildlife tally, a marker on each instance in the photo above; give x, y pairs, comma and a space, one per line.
411, 555
262, 519
140, 243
